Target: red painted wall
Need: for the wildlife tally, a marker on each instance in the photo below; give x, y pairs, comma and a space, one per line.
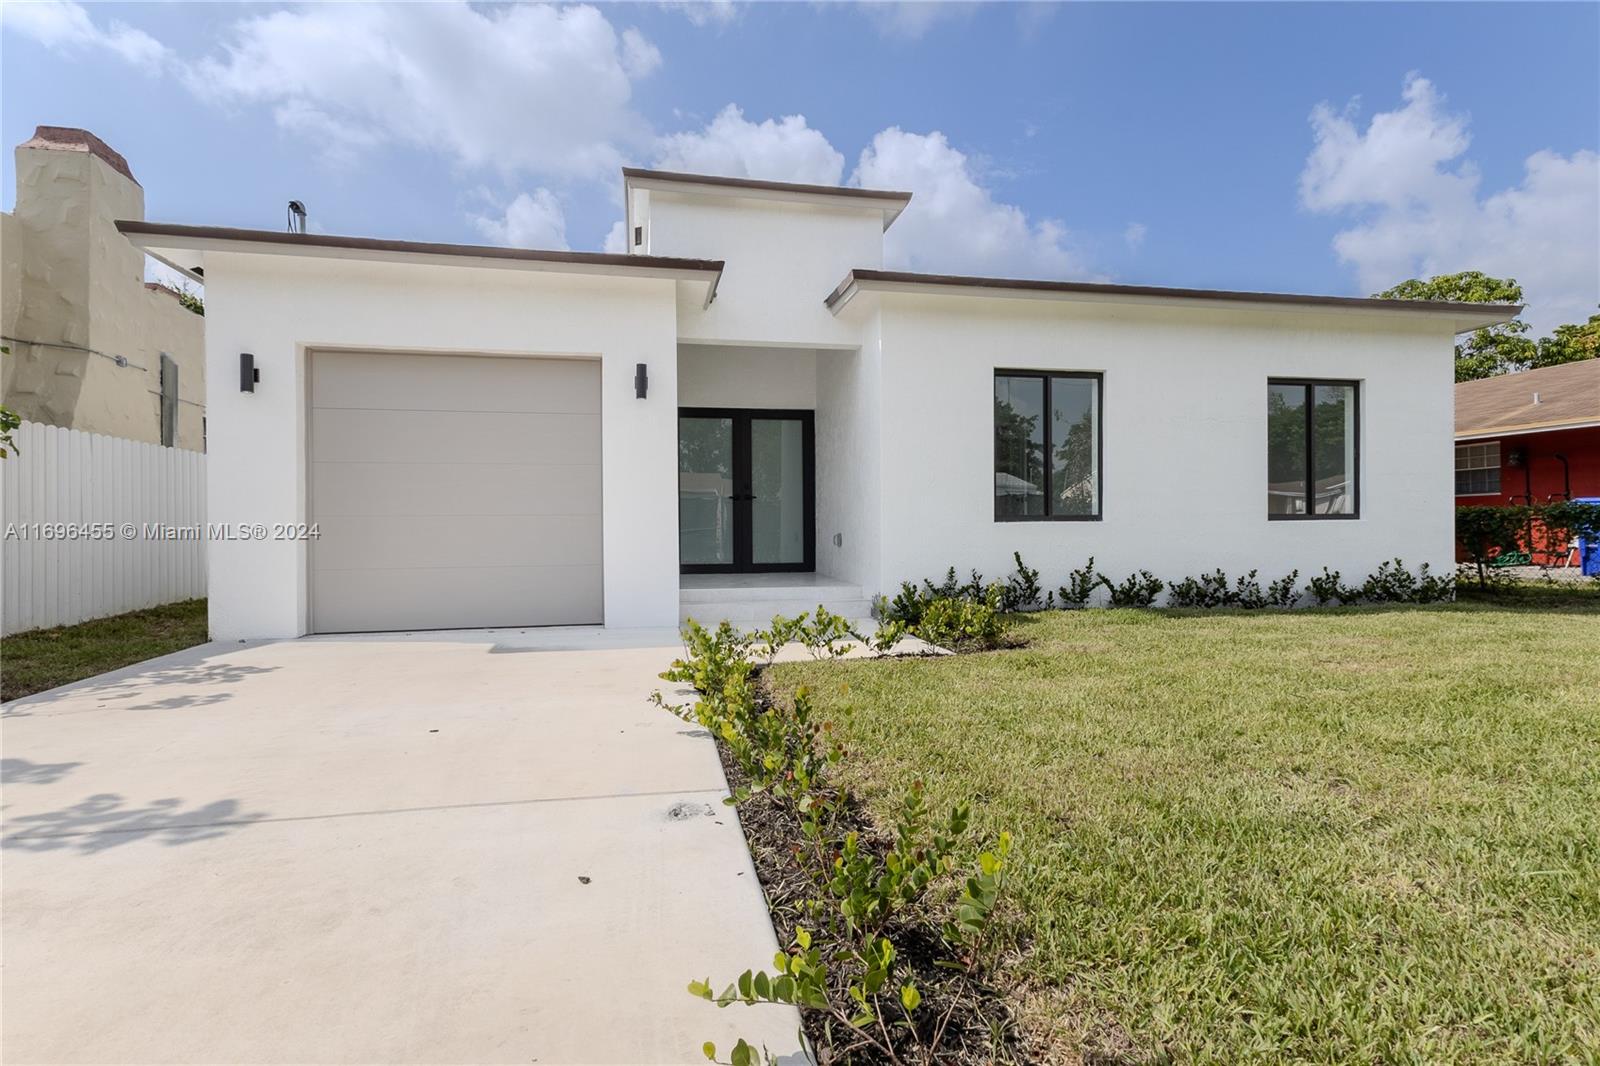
1541, 476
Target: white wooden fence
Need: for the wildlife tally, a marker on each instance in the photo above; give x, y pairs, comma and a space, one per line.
86, 522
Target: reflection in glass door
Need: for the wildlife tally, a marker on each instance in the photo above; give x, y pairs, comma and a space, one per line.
705, 492
746, 490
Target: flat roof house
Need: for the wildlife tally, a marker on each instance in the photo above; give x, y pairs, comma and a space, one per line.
747, 413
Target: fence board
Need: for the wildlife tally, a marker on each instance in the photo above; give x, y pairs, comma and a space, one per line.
64, 477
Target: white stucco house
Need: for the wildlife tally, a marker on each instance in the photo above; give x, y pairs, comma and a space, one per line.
747, 413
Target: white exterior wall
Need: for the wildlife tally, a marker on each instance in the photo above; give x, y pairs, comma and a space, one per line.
851, 461
733, 376
277, 308
782, 261
1185, 453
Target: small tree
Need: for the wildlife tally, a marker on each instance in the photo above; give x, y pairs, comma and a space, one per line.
1570, 343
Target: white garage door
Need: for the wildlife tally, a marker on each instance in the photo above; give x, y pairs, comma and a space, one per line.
453, 491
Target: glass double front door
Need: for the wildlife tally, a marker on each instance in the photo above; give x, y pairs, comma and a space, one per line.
746, 490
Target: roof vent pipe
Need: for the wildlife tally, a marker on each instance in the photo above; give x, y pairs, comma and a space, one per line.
1536, 397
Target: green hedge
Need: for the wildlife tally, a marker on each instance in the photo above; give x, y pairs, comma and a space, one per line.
1484, 532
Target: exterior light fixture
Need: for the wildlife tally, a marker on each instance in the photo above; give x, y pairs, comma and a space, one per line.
248, 374
640, 381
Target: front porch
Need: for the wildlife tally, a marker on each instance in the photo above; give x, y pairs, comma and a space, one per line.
753, 599
771, 514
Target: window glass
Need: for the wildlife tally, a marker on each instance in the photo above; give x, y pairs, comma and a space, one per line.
1019, 479
1478, 469
1286, 449
1333, 437
1312, 469
1074, 439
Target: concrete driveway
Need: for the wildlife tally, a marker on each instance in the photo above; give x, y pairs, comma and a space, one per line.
439, 848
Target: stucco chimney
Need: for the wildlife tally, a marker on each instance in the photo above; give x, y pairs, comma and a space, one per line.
72, 139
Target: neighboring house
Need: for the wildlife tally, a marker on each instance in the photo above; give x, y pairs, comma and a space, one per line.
92, 345
748, 412
1531, 437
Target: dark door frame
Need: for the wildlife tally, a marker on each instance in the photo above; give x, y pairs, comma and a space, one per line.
743, 489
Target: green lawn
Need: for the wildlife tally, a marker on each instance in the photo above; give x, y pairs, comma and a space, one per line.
1354, 835
44, 658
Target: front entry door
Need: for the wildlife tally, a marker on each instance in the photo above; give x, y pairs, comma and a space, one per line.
746, 490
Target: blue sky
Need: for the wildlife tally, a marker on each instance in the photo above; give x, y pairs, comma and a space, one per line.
1299, 147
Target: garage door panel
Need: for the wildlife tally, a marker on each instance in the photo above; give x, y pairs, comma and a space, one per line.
366, 542
488, 437
454, 491
350, 601
405, 382
457, 489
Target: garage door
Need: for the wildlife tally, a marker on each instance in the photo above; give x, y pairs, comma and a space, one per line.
453, 491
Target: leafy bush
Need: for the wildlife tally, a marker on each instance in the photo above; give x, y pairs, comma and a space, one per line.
907, 606
1390, 583
1282, 592
1486, 532
1080, 586
1021, 590
1330, 588
963, 623
1207, 590
1247, 593
843, 963
1138, 590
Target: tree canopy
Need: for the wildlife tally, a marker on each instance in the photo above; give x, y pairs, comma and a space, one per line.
1502, 349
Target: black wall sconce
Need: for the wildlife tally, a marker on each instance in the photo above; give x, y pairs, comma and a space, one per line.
248, 374
640, 382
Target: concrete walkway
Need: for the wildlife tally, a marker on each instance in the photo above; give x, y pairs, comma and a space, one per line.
440, 848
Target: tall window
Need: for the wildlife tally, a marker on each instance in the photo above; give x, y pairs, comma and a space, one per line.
1478, 469
1046, 446
1312, 449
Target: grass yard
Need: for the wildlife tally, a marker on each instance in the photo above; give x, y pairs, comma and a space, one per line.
44, 658
1352, 835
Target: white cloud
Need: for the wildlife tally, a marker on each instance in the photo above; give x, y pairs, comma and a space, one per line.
616, 241
1134, 235
706, 12
67, 27
910, 20
518, 88
532, 220
953, 222
1418, 210
785, 149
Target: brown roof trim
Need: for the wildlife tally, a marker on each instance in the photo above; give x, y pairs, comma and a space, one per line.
855, 277
132, 227
73, 139
766, 186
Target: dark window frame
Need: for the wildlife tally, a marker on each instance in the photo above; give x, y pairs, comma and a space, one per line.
1310, 385
743, 498
1049, 466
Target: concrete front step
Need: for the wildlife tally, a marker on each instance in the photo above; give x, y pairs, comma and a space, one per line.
759, 612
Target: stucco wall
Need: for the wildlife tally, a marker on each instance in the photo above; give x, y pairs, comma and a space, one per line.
782, 262
1185, 459
733, 376
278, 308
72, 280
850, 460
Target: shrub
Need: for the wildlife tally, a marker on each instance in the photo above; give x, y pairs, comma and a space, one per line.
1138, 590
1247, 593
1390, 583
1282, 592
1330, 588
1021, 590
907, 605
1080, 586
1207, 590
843, 963
963, 623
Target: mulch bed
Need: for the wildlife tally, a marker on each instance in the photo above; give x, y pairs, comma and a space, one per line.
981, 1028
